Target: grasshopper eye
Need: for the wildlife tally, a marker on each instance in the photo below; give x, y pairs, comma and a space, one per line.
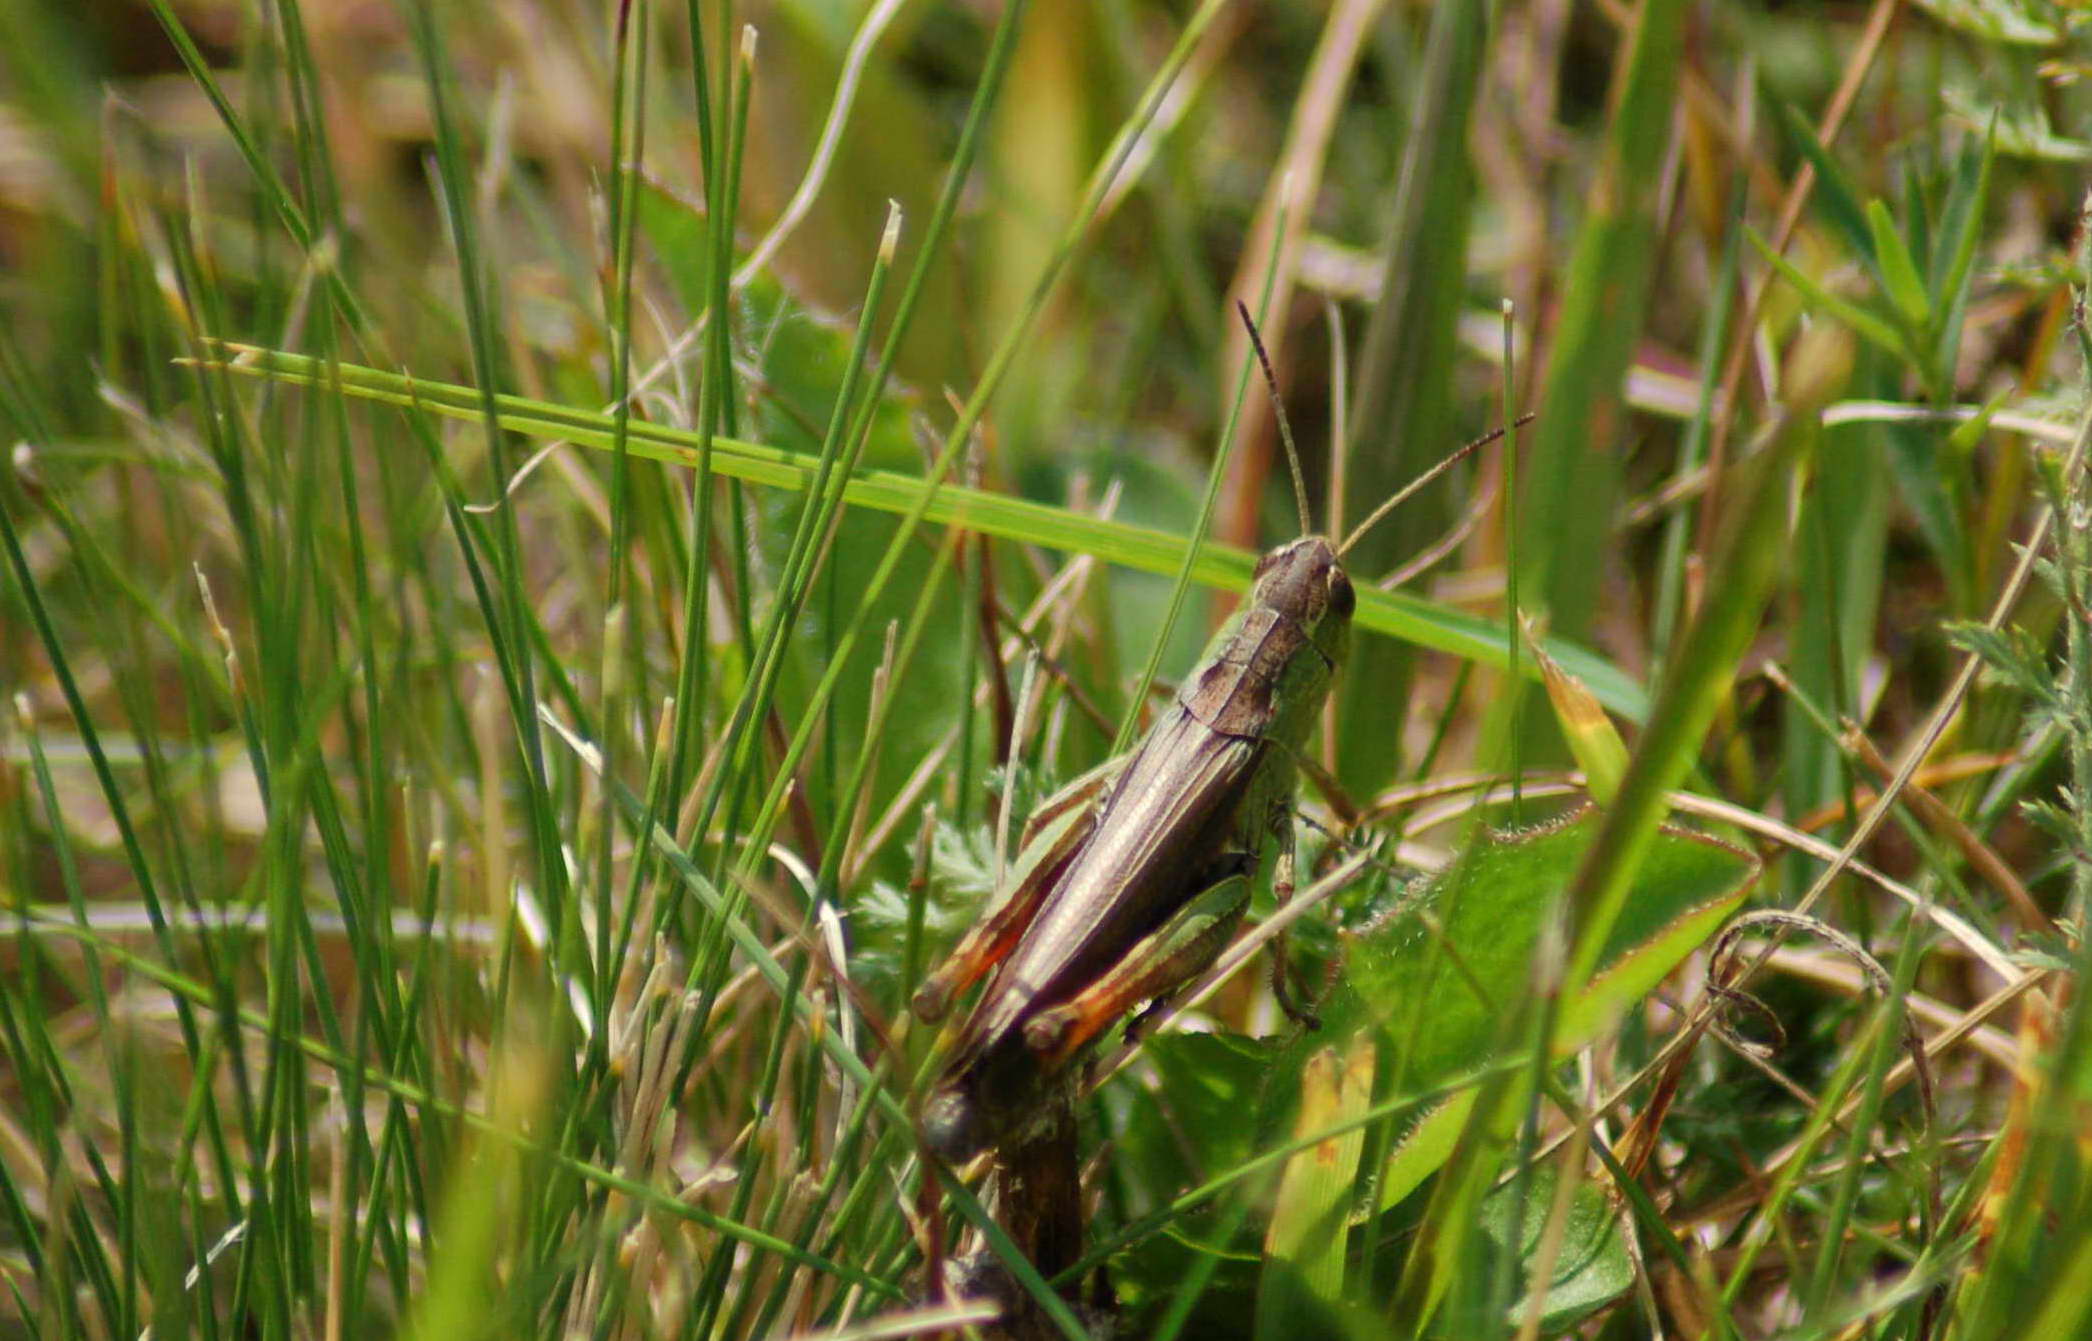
1341, 598
1269, 557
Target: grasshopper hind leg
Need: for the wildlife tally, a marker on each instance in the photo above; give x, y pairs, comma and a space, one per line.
1157, 964
992, 938
1056, 832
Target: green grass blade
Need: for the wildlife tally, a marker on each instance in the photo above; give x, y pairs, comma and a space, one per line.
1746, 562
1396, 614
1403, 419
1571, 478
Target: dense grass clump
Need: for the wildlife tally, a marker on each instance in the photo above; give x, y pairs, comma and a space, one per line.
550, 549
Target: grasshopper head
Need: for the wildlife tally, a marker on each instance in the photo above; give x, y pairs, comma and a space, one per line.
1306, 582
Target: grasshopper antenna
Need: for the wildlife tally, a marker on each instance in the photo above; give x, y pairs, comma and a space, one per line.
1407, 491
1278, 407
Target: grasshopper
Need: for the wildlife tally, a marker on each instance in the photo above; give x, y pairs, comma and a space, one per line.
1131, 879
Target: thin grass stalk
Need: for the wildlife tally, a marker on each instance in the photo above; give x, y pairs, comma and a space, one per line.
785, 1020
630, 48
481, 323
279, 574
2030, 1272
999, 362
1822, 1123
1507, 385
1216, 475
1669, 610
376, 961
693, 678
309, 131
795, 584
726, 400
1878, 1059
40, 618
864, 1178
287, 210
91, 975
818, 508
973, 562
693, 670
1728, 401
471, 1120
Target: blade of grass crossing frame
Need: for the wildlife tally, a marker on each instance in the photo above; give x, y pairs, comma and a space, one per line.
1402, 417
1394, 613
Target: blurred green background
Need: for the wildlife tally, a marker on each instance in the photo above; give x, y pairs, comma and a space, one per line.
294, 658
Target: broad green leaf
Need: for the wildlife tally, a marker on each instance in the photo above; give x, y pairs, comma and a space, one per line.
1687, 888
1851, 314
1309, 1221
1207, 1100
677, 233
1899, 273
1430, 1023
1437, 983
2013, 21
1836, 196
1590, 1269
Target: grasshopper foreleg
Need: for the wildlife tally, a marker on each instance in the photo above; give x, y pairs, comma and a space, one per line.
1284, 872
